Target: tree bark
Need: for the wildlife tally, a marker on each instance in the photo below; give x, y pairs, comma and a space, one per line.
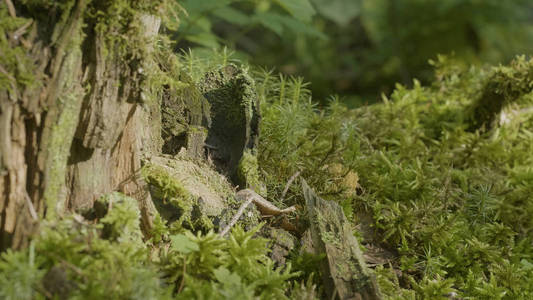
81, 131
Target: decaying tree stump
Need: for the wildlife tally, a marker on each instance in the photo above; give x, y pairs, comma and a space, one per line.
38, 120
234, 116
74, 130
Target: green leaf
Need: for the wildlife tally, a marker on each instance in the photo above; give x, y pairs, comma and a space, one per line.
195, 7
338, 11
183, 244
270, 21
300, 9
231, 15
205, 39
278, 23
224, 276
302, 28
526, 264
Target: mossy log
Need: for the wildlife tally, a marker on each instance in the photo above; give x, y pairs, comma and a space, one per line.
505, 85
345, 275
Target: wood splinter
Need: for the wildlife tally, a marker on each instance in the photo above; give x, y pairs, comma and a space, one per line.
264, 206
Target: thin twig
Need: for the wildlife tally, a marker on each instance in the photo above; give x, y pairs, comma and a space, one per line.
288, 185
33, 213
182, 283
6, 73
264, 206
74, 268
236, 216
19, 32
110, 204
11, 8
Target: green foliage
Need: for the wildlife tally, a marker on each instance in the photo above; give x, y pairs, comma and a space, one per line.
390, 286
248, 172
308, 265
452, 202
201, 18
121, 221
215, 268
16, 68
295, 136
339, 11
364, 46
77, 259
19, 274
445, 171
106, 258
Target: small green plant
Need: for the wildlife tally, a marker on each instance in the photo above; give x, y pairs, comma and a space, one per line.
106, 258
19, 274
237, 266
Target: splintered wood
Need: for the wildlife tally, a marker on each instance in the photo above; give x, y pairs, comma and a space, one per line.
265, 207
345, 274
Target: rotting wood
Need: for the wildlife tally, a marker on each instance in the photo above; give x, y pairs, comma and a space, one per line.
35, 118
345, 274
62, 145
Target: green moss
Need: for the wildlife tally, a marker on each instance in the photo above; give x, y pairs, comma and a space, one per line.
65, 112
118, 21
73, 258
183, 112
173, 201
122, 218
234, 115
14, 59
231, 92
505, 85
248, 173
58, 151
168, 186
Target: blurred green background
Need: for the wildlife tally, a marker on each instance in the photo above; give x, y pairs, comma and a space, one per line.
358, 49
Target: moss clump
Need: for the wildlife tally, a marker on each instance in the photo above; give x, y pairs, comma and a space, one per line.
121, 218
167, 187
18, 69
248, 173
232, 93
173, 201
505, 85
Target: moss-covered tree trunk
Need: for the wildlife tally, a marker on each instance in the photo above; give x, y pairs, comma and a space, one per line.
72, 122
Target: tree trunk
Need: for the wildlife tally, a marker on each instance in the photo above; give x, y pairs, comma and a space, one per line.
80, 130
